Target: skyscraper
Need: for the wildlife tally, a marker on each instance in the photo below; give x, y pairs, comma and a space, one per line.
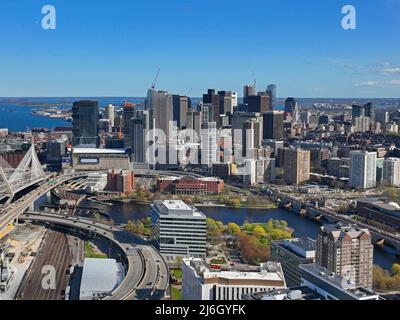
290, 106
273, 125
160, 104
260, 103
367, 110
109, 114
140, 128
85, 116
362, 169
297, 164
391, 171
212, 98
271, 91
181, 107
249, 90
346, 251
128, 113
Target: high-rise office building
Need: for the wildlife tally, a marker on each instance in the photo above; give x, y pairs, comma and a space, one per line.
180, 230
391, 171
109, 114
271, 91
273, 125
128, 113
260, 103
160, 104
362, 169
367, 110
249, 90
297, 164
85, 121
212, 99
209, 144
290, 106
382, 117
181, 107
346, 251
140, 129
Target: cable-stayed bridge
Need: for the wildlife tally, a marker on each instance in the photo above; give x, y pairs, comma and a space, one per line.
13, 180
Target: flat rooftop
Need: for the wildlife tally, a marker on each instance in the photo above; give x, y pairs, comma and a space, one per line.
97, 151
99, 276
177, 208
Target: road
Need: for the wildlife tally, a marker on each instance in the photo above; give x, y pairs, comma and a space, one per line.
147, 274
11, 212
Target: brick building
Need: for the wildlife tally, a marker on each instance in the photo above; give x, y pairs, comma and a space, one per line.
190, 186
121, 181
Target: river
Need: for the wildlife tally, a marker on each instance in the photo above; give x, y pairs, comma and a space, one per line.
303, 227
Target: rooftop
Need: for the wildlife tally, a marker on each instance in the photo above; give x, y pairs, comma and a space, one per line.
177, 208
97, 151
337, 281
99, 276
293, 294
271, 271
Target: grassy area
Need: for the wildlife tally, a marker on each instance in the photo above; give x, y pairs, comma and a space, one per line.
176, 294
177, 274
91, 253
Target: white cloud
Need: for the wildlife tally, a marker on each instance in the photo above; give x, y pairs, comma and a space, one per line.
368, 84
393, 82
390, 70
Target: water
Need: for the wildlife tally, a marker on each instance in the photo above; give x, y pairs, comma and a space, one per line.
303, 227
16, 113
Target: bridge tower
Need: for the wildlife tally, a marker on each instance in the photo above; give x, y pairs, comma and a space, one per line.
28, 172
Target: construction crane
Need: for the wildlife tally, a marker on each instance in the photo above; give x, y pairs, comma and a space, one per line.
156, 79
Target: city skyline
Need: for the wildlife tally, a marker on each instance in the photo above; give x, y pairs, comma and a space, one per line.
115, 50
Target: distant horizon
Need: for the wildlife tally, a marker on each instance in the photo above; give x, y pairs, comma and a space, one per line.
192, 97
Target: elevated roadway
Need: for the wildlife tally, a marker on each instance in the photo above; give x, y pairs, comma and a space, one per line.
147, 275
11, 212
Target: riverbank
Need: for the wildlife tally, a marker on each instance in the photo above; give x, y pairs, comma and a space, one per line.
198, 205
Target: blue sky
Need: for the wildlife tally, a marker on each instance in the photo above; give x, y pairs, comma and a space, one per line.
113, 48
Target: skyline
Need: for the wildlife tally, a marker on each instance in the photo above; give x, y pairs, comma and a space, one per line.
111, 50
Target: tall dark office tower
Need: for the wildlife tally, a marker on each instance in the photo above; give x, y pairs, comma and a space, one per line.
271, 91
357, 111
249, 90
181, 107
273, 125
85, 116
128, 113
140, 128
367, 110
290, 106
225, 102
260, 103
212, 98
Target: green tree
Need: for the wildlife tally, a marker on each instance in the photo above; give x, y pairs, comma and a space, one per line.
233, 228
396, 269
259, 232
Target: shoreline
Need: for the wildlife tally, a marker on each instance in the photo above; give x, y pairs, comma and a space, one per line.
211, 205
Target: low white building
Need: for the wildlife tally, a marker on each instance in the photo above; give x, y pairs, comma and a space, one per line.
96, 182
180, 230
99, 278
202, 283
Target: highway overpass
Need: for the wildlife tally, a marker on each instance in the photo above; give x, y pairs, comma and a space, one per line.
147, 274
10, 213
